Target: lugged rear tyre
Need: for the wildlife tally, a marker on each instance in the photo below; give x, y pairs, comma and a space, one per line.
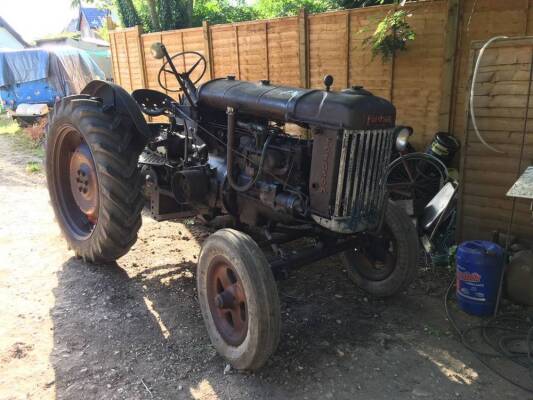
93, 180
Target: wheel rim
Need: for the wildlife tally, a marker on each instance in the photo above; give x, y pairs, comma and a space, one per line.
227, 301
416, 177
375, 260
76, 183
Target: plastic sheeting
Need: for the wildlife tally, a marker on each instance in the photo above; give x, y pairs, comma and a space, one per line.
64, 68
23, 66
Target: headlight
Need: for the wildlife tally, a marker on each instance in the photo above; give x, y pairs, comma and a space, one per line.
402, 137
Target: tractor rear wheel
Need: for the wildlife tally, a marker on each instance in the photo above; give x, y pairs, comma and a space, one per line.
93, 180
239, 299
386, 263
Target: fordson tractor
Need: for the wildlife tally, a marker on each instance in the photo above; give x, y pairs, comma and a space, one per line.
225, 152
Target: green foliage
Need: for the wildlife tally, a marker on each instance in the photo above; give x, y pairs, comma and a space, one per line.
128, 13
222, 11
33, 167
361, 3
103, 32
174, 14
143, 11
391, 35
282, 8
8, 126
156, 15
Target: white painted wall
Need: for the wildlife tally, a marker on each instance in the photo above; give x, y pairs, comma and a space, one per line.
7, 40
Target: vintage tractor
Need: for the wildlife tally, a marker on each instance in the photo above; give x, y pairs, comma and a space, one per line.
225, 153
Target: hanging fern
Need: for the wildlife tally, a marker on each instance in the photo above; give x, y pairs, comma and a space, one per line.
391, 35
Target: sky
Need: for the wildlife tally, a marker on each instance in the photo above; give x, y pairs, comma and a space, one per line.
33, 19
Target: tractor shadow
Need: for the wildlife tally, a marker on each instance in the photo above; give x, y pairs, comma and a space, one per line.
138, 334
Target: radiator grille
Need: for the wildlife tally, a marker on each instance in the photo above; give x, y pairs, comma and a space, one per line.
364, 157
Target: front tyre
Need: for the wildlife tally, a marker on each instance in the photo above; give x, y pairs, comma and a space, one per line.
386, 264
93, 180
238, 298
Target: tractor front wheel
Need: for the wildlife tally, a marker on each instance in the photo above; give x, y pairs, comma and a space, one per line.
239, 299
386, 263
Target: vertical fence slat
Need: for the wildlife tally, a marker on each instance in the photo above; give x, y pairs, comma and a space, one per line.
267, 62
450, 50
125, 36
303, 48
347, 49
142, 69
114, 58
237, 52
208, 49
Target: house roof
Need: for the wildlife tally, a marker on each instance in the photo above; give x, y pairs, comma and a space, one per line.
72, 25
14, 33
94, 16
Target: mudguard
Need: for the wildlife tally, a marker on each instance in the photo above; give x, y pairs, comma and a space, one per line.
116, 98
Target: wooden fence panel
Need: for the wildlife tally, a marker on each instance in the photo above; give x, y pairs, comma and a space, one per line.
328, 48
416, 82
372, 73
253, 51
114, 57
482, 20
152, 65
504, 75
123, 60
283, 56
225, 57
193, 40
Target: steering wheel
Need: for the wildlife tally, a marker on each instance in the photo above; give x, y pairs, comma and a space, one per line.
164, 68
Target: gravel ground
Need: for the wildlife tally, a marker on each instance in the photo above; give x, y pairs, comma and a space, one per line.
133, 330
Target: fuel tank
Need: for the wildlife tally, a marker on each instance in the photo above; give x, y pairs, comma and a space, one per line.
350, 109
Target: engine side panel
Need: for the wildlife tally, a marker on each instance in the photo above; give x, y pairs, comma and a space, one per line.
324, 168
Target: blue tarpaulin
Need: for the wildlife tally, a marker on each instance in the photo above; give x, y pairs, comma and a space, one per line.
23, 66
40, 75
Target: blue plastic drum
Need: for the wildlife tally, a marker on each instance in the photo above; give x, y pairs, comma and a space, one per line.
479, 268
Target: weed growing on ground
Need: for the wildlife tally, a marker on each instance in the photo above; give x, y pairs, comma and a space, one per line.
33, 167
22, 138
8, 126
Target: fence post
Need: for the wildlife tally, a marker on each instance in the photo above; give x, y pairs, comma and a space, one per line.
448, 71
142, 63
208, 49
347, 48
303, 48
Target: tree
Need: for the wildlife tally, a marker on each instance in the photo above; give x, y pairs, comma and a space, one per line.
221, 11
175, 14
128, 13
361, 3
282, 8
154, 15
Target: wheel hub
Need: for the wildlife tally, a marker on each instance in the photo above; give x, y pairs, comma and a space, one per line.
227, 302
376, 259
83, 182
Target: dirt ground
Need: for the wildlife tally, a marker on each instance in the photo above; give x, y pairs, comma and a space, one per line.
133, 330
